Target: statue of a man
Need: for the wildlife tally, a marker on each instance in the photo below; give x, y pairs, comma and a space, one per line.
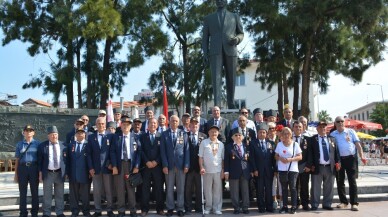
222, 32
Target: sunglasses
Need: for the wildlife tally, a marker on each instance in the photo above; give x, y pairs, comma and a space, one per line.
271, 128
339, 122
244, 113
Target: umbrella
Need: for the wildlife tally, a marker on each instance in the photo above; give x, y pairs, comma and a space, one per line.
362, 135
356, 124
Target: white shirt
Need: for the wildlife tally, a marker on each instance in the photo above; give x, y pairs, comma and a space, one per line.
211, 162
99, 138
127, 140
321, 157
51, 156
286, 152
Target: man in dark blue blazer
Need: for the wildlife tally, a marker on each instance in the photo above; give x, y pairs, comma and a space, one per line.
52, 156
263, 165
125, 159
148, 115
151, 161
70, 136
101, 168
202, 121
287, 121
237, 171
78, 166
175, 155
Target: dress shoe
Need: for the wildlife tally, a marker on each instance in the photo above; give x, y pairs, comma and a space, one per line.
207, 212
74, 215
110, 214
180, 213
121, 214
144, 213
87, 214
169, 213
261, 210
218, 212
283, 210
354, 207
342, 205
269, 210
96, 214
133, 214
45, 216
314, 208
327, 207
61, 215
236, 212
160, 212
306, 208
246, 211
293, 210
187, 212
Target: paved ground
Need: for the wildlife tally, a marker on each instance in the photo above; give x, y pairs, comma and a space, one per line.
366, 209
373, 179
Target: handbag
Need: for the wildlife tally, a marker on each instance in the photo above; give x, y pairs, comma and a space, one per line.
283, 175
135, 179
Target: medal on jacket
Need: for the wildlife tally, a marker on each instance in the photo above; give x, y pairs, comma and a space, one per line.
134, 145
246, 156
180, 139
248, 139
214, 147
233, 157
304, 143
107, 142
269, 147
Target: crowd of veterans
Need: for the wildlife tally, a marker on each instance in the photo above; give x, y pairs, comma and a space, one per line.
264, 158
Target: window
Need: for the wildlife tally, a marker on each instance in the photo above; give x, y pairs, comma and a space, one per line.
240, 79
239, 103
363, 116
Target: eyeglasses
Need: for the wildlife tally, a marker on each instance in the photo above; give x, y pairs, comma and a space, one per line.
271, 128
244, 113
339, 122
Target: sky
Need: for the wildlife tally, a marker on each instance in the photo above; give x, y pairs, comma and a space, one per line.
343, 96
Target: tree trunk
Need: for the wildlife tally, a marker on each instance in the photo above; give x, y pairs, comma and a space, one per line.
280, 97
69, 74
105, 73
78, 76
296, 78
285, 88
186, 79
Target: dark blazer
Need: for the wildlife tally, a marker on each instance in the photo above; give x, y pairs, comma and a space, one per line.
234, 164
224, 128
116, 152
284, 123
43, 158
143, 124
174, 155
100, 157
304, 146
261, 160
78, 164
314, 154
202, 125
251, 133
150, 151
70, 136
194, 150
216, 34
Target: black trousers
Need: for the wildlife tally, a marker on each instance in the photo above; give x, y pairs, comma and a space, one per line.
302, 187
193, 181
348, 165
28, 174
79, 192
155, 176
264, 192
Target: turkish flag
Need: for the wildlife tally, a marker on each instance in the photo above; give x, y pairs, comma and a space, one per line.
165, 102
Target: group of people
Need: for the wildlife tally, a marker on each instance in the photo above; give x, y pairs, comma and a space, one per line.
194, 156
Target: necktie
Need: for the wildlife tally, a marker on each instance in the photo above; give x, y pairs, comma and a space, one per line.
297, 139
324, 149
216, 122
262, 146
152, 139
243, 132
193, 141
55, 154
173, 138
125, 148
102, 136
239, 150
78, 147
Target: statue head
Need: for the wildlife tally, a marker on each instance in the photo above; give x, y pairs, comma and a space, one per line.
221, 3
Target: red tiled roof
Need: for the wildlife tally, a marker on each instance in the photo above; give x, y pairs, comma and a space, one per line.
37, 102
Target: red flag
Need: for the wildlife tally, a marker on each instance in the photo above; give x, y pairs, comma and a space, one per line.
109, 110
165, 102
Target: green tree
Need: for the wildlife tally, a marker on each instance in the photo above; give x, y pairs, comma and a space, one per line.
308, 39
324, 116
380, 115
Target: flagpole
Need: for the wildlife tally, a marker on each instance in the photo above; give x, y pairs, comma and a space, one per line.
109, 109
165, 101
